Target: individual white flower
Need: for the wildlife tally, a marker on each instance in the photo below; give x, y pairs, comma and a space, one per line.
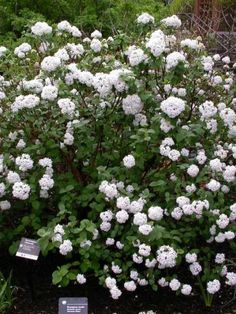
64, 26
144, 250
136, 56
24, 162
155, 213
132, 104
177, 213
21, 190
222, 221
50, 63
174, 284
13, 177
166, 257
115, 293
145, 229
75, 32
173, 59
96, 34
174, 154
190, 43
226, 60
22, 50
213, 185
68, 139
21, 102
231, 279
123, 202
172, 106
140, 219
41, 28
65, 247
46, 182
220, 258
110, 282
172, 21
129, 161
110, 241
208, 109
213, 286
186, 289
156, 43
3, 50
195, 268
59, 229
105, 226
130, 285
81, 279
182, 200
193, 171
145, 18
5, 205
49, 92
96, 45
122, 216
67, 106
163, 282
57, 237
191, 258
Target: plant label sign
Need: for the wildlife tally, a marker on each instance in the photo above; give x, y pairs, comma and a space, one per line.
29, 249
73, 305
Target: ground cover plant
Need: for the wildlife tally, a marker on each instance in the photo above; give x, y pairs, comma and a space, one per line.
119, 153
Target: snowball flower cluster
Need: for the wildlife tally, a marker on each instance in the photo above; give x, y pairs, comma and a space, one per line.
166, 257
156, 43
172, 21
65, 247
172, 106
129, 161
41, 28
22, 50
173, 59
145, 18
21, 190
132, 104
50, 63
24, 162
213, 286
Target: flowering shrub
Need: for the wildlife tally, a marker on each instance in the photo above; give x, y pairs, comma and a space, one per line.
120, 153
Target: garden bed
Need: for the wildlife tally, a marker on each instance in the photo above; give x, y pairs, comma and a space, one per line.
46, 296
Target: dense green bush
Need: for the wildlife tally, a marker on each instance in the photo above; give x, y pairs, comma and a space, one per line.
120, 154
106, 15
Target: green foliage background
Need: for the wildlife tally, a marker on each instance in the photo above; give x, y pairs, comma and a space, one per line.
106, 15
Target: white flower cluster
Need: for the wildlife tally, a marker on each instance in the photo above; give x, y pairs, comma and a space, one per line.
41, 28
166, 257
132, 104
172, 21
22, 50
172, 106
145, 18
21, 190
65, 247
28, 101
173, 59
156, 43
50, 64
24, 162
67, 106
65, 26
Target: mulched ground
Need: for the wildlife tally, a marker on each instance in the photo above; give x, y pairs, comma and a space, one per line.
36, 295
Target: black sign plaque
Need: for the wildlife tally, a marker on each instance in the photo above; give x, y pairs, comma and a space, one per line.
73, 305
29, 249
